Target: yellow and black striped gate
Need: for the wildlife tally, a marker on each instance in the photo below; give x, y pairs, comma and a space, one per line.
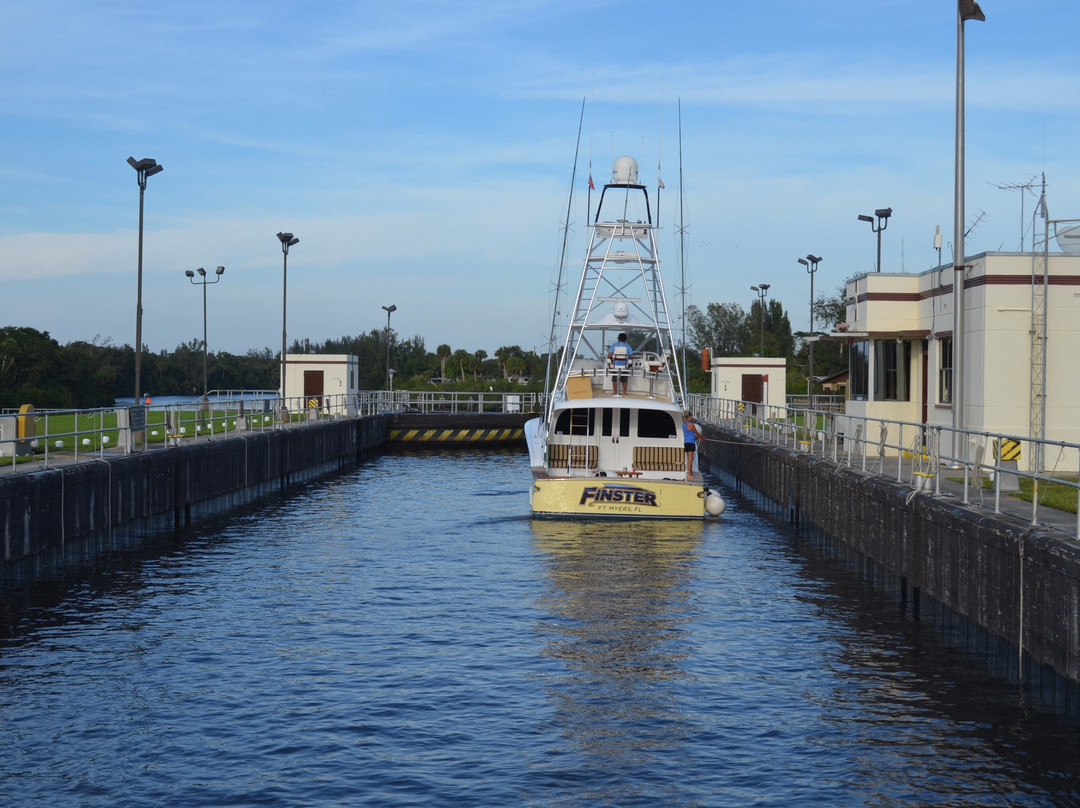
458, 429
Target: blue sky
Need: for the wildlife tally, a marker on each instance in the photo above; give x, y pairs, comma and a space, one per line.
422, 152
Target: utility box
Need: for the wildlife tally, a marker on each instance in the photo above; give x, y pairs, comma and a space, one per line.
7, 435
18, 432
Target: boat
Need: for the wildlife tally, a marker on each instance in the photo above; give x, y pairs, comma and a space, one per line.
610, 441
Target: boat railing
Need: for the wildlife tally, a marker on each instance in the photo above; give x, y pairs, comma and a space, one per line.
642, 373
912, 453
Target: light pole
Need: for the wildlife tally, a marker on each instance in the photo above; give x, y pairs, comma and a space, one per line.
762, 289
883, 215
389, 373
144, 168
810, 263
287, 240
965, 10
203, 281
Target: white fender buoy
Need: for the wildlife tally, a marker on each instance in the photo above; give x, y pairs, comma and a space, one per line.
714, 504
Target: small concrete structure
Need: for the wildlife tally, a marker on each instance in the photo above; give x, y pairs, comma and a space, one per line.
325, 383
750, 378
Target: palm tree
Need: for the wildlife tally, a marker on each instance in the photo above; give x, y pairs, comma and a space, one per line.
443, 352
480, 355
463, 359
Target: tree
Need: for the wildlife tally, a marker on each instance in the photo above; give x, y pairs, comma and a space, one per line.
443, 352
723, 328
479, 356
463, 360
31, 369
504, 354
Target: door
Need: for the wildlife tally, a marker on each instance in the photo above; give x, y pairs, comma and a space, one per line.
313, 389
616, 448
753, 388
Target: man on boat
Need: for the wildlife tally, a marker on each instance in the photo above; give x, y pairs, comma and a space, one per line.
619, 355
691, 435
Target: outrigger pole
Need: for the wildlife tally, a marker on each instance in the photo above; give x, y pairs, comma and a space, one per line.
682, 266
562, 261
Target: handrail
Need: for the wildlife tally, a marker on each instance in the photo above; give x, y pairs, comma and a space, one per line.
906, 451
77, 435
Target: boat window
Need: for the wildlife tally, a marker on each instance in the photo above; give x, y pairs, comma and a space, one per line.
624, 423
575, 422
655, 424
605, 423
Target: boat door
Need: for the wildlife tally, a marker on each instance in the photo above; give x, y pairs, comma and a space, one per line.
617, 449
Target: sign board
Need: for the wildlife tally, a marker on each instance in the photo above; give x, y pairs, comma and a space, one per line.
138, 418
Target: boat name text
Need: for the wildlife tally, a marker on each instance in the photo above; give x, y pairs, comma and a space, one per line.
618, 493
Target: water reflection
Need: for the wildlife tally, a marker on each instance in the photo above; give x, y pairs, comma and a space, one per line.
616, 616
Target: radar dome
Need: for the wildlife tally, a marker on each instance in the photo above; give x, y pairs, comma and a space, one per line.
1069, 240
621, 311
625, 171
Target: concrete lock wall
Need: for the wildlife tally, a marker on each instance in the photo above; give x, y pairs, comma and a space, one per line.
47, 511
1018, 585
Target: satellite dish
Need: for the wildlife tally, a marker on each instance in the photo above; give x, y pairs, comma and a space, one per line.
624, 172
1069, 240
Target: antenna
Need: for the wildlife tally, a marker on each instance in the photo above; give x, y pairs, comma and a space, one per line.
1021, 187
974, 224
937, 242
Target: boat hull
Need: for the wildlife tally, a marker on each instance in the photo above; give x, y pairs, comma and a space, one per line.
615, 498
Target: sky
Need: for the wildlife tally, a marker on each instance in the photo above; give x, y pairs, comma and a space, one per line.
422, 151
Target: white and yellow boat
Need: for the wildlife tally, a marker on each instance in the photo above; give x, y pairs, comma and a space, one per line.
610, 443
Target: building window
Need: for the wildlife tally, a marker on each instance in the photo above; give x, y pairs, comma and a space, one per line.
945, 371
859, 369
892, 363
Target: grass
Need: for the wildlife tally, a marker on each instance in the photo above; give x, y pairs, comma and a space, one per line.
1058, 496
90, 432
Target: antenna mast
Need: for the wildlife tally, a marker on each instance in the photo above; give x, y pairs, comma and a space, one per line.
682, 261
1021, 187
1040, 262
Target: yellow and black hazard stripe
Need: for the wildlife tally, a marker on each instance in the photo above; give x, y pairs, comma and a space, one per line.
451, 435
1007, 450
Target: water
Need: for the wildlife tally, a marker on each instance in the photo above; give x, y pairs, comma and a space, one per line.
405, 635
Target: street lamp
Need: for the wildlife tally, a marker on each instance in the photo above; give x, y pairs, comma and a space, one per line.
144, 168
810, 263
965, 10
203, 281
883, 215
762, 289
287, 240
389, 373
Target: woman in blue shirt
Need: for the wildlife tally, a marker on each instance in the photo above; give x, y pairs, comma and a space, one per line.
691, 434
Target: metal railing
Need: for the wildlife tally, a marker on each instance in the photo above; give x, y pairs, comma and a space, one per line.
912, 453
826, 402
376, 401
45, 438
